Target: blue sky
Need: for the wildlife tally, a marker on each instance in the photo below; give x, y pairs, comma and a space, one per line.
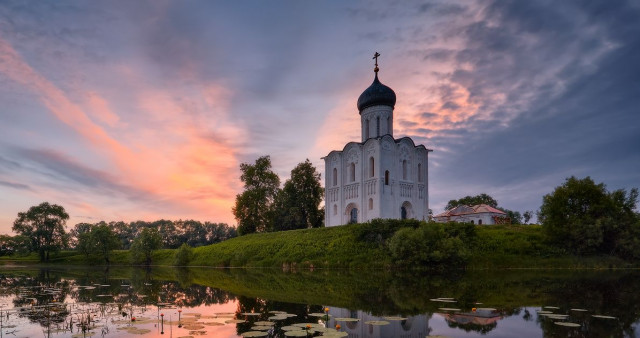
122, 110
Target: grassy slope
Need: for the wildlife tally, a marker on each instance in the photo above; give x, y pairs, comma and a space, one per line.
359, 246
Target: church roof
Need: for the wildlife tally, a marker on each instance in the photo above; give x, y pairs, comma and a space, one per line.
377, 94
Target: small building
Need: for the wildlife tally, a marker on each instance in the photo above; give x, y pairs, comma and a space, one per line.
477, 214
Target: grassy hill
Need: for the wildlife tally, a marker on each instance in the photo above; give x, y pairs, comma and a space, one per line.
364, 246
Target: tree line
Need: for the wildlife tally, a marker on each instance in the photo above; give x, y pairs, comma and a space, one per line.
264, 206
41, 230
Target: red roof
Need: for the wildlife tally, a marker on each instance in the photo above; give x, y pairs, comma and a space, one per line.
467, 210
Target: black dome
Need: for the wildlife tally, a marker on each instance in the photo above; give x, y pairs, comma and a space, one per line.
377, 94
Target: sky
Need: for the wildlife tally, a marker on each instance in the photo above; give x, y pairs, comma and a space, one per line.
142, 110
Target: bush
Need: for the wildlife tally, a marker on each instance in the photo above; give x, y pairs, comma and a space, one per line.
380, 230
183, 255
430, 246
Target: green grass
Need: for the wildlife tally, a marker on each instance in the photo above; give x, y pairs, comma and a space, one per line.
359, 246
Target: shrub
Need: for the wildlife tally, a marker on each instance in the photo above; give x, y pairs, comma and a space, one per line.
428, 246
183, 255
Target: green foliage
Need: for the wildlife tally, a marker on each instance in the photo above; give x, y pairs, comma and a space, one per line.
527, 216
252, 208
96, 240
44, 226
10, 245
473, 200
183, 255
429, 246
143, 246
584, 217
515, 216
296, 205
381, 230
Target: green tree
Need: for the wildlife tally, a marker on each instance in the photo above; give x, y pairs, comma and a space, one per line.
586, 218
473, 200
527, 216
515, 216
144, 244
183, 255
104, 240
253, 207
296, 206
44, 225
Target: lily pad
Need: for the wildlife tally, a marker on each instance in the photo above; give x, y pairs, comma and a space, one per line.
278, 317
318, 314
264, 323
335, 334
448, 309
567, 324
603, 317
255, 334
551, 307
261, 328
250, 314
377, 322
395, 318
235, 321
290, 328
346, 319
486, 309
296, 333
542, 312
580, 310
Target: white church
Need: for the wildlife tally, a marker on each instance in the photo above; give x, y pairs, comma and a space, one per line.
381, 176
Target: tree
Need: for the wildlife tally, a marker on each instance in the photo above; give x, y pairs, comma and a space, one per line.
473, 200
527, 216
144, 244
183, 255
586, 218
515, 216
44, 225
252, 208
296, 206
104, 240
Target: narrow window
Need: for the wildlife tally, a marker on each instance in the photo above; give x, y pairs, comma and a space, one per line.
378, 126
370, 203
366, 130
386, 177
472, 222
479, 222
404, 169
335, 177
389, 125
371, 167
335, 209
352, 172
419, 172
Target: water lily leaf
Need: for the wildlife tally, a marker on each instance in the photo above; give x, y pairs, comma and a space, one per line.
346, 319
317, 314
264, 323
261, 328
603, 317
250, 314
377, 322
336, 334
567, 324
290, 328
395, 318
254, 334
542, 312
580, 310
234, 321
551, 307
278, 317
486, 309
295, 333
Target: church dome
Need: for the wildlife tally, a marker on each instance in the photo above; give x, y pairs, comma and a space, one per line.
377, 94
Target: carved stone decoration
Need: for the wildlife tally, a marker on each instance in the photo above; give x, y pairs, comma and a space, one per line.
353, 156
386, 145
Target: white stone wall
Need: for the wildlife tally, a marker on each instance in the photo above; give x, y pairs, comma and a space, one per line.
374, 195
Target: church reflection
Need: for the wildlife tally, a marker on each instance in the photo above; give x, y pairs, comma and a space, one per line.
412, 326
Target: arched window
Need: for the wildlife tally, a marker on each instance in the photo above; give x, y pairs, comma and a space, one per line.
378, 126
352, 172
404, 169
353, 216
335, 209
370, 203
335, 177
386, 177
366, 130
371, 167
419, 172
403, 213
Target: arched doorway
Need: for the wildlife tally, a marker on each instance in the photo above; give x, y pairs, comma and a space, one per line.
352, 213
406, 210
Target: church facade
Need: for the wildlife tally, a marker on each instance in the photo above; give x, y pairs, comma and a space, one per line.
381, 176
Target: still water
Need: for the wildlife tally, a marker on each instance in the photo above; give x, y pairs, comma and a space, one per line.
161, 302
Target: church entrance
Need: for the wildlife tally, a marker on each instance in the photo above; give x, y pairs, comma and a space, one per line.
403, 213
406, 210
354, 216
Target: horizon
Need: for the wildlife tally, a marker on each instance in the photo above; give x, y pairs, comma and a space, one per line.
144, 111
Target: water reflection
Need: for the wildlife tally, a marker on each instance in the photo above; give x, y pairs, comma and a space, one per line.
228, 303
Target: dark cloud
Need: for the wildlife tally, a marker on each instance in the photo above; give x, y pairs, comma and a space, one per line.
19, 186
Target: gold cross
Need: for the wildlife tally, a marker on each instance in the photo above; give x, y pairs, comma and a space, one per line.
375, 57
